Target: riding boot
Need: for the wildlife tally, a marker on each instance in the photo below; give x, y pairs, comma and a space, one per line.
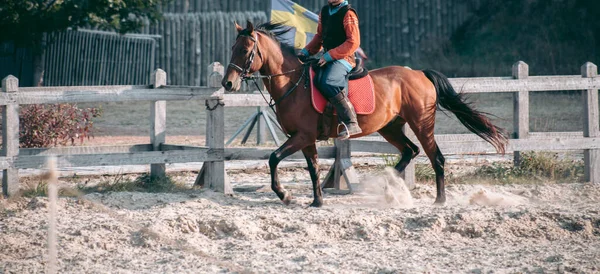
348, 125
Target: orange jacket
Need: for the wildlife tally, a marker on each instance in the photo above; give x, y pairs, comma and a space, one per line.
344, 51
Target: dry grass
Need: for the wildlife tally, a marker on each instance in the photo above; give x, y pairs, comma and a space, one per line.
36, 187
536, 167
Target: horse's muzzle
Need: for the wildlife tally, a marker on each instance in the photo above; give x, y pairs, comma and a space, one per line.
228, 85
231, 86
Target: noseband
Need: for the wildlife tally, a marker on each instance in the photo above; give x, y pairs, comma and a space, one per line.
250, 61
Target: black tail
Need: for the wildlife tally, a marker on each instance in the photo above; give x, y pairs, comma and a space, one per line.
474, 120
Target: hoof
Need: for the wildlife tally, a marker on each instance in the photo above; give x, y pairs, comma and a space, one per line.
287, 199
316, 204
440, 201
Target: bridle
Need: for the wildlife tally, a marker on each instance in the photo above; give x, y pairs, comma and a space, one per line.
246, 76
250, 60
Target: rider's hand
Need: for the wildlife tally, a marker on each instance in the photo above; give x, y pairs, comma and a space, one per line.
302, 56
322, 61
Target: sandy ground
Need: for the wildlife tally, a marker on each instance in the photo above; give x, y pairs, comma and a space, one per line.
383, 228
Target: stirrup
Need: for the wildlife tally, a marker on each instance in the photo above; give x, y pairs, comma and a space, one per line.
347, 135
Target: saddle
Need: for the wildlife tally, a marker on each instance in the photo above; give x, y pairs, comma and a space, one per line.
358, 72
361, 93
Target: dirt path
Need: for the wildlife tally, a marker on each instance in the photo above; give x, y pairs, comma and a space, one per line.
381, 229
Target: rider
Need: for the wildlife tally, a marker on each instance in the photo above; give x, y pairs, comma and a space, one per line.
339, 34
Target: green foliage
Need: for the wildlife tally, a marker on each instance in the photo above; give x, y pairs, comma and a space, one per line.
52, 125
24, 21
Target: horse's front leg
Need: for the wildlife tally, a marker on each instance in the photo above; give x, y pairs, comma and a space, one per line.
291, 146
312, 159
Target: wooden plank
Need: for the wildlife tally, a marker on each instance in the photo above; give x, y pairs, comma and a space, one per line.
473, 137
213, 174
158, 123
591, 157
84, 150
109, 94
10, 136
482, 147
166, 147
532, 83
118, 159
245, 100
539, 83
520, 71
240, 154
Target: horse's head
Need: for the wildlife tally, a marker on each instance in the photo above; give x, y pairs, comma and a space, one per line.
244, 59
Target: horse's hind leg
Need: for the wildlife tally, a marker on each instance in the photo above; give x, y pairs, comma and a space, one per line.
394, 135
424, 130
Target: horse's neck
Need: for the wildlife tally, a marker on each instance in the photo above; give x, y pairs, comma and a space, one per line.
276, 65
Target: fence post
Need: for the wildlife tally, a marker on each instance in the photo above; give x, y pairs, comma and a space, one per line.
409, 174
213, 173
158, 123
261, 127
520, 71
590, 126
10, 137
342, 174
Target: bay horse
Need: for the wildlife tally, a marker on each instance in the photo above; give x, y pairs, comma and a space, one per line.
402, 96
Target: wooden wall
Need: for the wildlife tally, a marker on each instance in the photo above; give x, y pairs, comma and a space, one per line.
393, 31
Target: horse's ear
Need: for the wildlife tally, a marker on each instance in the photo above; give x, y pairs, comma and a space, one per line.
238, 27
250, 26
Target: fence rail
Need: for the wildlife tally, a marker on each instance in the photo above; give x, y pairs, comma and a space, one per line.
157, 154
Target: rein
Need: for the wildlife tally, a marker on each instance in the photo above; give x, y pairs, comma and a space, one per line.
272, 104
246, 77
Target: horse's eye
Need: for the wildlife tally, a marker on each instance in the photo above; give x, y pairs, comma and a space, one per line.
245, 51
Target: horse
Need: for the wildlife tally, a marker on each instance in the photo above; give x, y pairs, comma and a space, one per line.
402, 96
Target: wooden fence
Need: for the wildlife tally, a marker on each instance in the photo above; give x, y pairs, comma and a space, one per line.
392, 30
520, 84
157, 153
189, 41
89, 57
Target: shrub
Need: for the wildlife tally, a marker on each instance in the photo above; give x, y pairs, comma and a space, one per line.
52, 125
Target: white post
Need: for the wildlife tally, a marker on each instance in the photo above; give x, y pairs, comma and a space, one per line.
590, 125
213, 173
520, 71
10, 137
158, 123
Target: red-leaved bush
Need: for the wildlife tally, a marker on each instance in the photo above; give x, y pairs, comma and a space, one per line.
52, 125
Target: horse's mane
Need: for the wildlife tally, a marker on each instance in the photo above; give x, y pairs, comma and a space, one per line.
275, 32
